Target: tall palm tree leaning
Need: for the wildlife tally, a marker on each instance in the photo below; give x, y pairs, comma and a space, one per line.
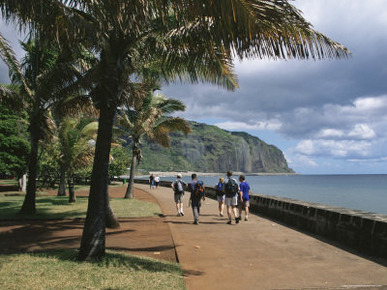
149, 117
123, 31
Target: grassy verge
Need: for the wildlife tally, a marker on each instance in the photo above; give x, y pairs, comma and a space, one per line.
58, 207
8, 182
60, 270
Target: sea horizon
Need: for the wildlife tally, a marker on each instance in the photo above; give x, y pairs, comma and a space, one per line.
361, 192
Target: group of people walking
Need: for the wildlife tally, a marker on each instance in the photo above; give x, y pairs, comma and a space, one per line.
154, 181
229, 193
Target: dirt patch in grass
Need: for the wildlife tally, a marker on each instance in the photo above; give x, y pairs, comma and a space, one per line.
144, 236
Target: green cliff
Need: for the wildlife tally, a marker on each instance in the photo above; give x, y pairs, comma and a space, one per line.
210, 149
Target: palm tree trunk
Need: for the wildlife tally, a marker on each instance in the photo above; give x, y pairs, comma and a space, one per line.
129, 189
111, 220
70, 183
62, 180
29, 206
93, 236
22, 183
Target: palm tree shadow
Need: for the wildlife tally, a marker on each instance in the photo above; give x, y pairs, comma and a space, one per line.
117, 260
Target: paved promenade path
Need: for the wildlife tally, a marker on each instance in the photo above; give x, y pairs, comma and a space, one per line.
260, 253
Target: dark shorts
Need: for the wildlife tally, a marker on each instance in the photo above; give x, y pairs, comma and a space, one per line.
178, 197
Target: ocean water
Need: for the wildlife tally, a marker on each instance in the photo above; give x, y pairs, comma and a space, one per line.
359, 192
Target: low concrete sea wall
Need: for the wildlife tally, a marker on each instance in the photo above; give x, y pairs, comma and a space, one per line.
364, 232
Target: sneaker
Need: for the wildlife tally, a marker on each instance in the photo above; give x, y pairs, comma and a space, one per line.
229, 222
221, 215
246, 218
237, 220
196, 222
178, 214
182, 213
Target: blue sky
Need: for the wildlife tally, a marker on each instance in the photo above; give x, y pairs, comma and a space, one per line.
329, 116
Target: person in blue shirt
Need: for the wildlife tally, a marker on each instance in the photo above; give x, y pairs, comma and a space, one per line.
244, 203
220, 195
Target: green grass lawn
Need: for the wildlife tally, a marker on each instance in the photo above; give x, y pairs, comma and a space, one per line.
58, 207
8, 182
60, 270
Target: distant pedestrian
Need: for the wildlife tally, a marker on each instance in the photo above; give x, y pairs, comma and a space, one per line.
220, 195
231, 188
178, 189
244, 189
197, 195
157, 181
151, 181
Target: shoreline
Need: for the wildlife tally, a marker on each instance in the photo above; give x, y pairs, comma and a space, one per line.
188, 173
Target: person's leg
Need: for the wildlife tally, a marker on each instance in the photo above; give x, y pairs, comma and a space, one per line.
235, 208
195, 211
181, 207
229, 214
247, 206
177, 201
235, 211
178, 208
221, 208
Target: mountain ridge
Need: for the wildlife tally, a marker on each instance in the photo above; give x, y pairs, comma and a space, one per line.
211, 149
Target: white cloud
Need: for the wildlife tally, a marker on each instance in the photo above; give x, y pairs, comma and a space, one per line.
241, 126
334, 148
330, 133
300, 161
362, 131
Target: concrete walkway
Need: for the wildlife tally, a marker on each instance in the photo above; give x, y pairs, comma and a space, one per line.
260, 253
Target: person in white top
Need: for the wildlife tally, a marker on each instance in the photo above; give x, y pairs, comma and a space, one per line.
157, 181
178, 189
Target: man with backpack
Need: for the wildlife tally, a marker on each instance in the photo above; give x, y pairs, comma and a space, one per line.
231, 190
196, 188
178, 189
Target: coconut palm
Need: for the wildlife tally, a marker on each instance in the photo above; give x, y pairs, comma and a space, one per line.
125, 33
74, 135
40, 79
150, 118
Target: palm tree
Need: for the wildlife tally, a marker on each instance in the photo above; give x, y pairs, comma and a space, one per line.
187, 35
74, 135
150, 118
38, 84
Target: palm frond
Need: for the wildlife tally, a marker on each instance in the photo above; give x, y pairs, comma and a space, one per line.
90, 130
260, 28
170, 106
9, 58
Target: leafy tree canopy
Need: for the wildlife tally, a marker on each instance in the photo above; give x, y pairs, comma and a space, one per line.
14, 146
